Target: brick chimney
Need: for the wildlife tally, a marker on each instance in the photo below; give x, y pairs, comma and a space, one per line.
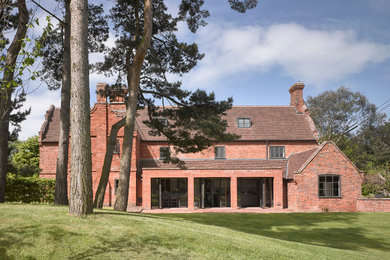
101, 89
296, 94
119, 97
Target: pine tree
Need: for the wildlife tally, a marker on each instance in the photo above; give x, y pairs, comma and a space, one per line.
146, 51
80, 202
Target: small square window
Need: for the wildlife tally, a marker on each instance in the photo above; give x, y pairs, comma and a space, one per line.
219, 152
116, 183
117, 146
329, 186
163, 121
244, 122
276, 152
164, 152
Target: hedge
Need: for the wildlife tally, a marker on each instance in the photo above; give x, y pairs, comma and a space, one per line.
29, 189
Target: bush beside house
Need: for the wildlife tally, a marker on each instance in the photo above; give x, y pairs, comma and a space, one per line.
29, 189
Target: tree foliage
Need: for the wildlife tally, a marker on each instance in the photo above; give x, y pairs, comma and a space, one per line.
187, 111
358, 128
53, 50
338, 112
15, 60
26, 157
147, 50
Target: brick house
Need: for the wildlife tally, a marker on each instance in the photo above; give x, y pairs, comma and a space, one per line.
276, 163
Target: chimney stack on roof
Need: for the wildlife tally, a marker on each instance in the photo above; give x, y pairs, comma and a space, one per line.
118, 95
101, 90
296, 94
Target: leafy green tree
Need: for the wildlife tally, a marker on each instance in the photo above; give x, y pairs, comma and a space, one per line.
26, 157
359, 129
339, 112
146, 50
15, 60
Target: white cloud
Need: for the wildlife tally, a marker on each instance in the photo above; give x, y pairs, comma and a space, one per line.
312, 56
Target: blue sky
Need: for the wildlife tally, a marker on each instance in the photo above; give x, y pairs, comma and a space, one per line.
255, 57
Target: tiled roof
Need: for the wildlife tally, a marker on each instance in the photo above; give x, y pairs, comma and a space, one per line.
219, 164
296, 160
268, 123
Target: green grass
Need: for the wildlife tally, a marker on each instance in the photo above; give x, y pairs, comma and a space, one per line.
49, 232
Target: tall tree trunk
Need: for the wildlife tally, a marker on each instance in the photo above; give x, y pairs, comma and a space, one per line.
133, 80
99, 196
81, 176
61, 191
6, 89
5, 100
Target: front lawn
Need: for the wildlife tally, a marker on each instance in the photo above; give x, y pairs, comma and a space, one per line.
49, 232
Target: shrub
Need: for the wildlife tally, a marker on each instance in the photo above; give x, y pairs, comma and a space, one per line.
29, 189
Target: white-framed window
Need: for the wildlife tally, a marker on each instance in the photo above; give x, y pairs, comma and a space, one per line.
276, 152
244, 122
219, 152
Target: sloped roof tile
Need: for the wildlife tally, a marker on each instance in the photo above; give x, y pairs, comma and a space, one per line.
219, 164
268, 123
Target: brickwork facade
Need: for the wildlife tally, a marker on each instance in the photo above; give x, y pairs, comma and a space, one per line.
247, 161
373, 205
328, 161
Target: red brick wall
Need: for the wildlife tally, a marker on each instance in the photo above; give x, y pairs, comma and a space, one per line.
100, 114
48, 159
236, 150
303, 191
373, 205
232, 174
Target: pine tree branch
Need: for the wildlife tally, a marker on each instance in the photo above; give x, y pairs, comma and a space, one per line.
47, 11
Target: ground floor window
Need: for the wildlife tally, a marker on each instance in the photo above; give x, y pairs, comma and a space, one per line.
255, 192
169, 192
211, 192
329, 186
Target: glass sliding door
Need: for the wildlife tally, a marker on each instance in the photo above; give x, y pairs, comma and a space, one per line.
211, 192
255, 192
169, 192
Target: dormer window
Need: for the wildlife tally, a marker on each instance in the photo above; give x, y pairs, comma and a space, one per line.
244, 122
276, 152
219, 152
163, 121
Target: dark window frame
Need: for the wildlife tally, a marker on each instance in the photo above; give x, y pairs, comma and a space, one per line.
117, 147
219, 152
244, 125
329, 181
274, 152
162, 148
116, 185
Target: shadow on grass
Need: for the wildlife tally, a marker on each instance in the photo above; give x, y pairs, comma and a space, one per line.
335, 230
16, 235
